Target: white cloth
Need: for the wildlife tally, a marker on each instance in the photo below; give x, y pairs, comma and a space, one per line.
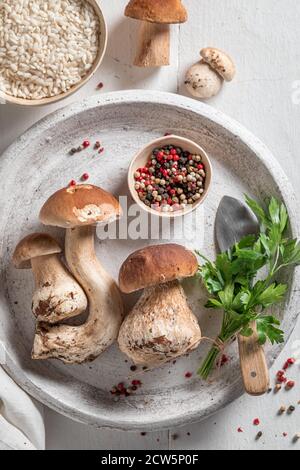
21, 418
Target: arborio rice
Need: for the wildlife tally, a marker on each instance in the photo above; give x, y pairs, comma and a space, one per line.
46, 46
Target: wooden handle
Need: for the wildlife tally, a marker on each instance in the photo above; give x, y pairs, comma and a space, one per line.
253, 364
153, 45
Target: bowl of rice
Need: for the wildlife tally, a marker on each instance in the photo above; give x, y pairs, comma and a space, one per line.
48, 49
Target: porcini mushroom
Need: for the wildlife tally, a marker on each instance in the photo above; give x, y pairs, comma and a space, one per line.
219, 61
161, 326
202, 81
154, 36
57, 295
78, 209
205, 78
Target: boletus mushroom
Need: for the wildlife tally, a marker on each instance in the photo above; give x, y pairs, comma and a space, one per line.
206, 78
57, 295
154, 35
78, 209
161, 326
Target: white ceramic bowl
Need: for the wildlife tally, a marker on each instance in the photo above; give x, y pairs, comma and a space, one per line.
53, 99
142, 158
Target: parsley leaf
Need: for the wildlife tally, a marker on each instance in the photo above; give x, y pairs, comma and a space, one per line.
267, 330
232, 279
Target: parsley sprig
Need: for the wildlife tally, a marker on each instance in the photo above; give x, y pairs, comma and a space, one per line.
232, 280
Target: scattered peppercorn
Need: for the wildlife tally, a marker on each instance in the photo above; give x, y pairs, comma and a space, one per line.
282, 410
97, 145
281, 377
143, 433
223, 360
290, 384
259, 435
136, 383
133, 368
188, 375
291, 409
240, 430
101, 150
73, 151
86, 144
290, 362
297, 437
100, 86
80, 148
284, 434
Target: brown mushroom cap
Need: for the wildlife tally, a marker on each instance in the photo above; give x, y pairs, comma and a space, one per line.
155, 265
157, 11
80, 205
33, 246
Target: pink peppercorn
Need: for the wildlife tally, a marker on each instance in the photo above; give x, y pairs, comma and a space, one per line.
86, 144
101, 150
188, 375
256, 422
72, 183
136, 383
290, 384
85, 176
291, 361
240, 430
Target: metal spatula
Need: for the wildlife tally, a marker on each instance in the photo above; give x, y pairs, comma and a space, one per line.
233, 222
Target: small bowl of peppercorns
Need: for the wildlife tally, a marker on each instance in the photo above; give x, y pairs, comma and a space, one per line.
170, 177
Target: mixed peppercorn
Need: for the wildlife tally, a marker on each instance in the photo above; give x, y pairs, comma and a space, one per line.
171, 180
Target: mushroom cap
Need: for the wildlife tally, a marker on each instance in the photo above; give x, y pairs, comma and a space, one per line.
220, 62
202, 81
33, 246
157, 11
80, 205
155, 265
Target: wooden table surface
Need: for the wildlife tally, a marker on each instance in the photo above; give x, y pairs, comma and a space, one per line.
263, 36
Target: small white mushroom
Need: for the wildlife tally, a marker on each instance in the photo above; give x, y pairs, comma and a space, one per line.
161, 326
220, 62
57, 295
79, 209
202, 81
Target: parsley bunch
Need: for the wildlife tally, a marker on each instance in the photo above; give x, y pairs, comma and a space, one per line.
232, 280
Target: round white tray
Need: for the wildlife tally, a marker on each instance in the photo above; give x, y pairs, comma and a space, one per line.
38, 163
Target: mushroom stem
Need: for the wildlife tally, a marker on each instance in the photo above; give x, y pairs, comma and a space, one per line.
160, 327
83, 343
153, 45
57, 295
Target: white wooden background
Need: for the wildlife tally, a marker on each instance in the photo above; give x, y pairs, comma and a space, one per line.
263, 36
